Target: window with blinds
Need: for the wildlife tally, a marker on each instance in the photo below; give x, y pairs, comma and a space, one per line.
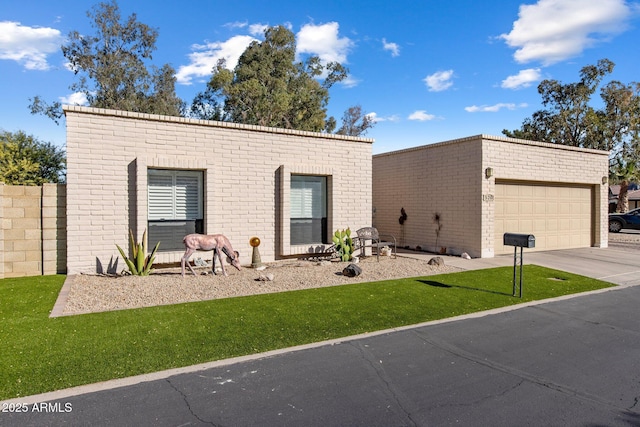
175, 207
308, 209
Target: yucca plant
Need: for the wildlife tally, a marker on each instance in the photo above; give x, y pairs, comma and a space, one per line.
140, 263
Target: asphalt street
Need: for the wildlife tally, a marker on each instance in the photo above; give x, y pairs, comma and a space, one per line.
568, 362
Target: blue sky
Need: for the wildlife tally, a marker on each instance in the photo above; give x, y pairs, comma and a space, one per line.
427, 71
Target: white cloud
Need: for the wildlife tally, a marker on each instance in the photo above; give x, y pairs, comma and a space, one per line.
350, 82
493, 108
236, 24
28, 46
77, 98
206, 57
320, 40
523, 79
439, 81
257, 30
421, 116
551, 31
376, 119
391, 47
323, 41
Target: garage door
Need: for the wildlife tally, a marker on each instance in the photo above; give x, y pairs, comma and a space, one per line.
560, 217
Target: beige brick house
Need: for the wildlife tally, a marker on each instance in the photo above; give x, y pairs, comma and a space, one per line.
173, 176
484, 186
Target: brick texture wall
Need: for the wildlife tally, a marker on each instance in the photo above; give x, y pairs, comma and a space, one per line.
33, 232
449, 178
443, 179
246, 173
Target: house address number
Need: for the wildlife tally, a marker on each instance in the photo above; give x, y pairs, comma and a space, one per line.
487, 197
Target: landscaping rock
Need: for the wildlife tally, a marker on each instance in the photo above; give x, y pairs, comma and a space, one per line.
90, 293
438, 261
351, 270
266, 277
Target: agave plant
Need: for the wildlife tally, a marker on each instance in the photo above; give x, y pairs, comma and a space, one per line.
140, 263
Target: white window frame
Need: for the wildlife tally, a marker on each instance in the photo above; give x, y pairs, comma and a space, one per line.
174, 204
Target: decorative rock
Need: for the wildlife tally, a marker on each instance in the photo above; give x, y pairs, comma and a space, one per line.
266, 277
465, 255
351, 270
199, 262
437, 261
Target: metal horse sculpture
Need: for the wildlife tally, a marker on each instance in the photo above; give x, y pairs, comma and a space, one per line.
215, 243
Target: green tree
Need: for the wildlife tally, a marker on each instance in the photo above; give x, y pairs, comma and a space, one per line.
269, 87
624, 171
569, 119
112, 67
355, 122
26, 161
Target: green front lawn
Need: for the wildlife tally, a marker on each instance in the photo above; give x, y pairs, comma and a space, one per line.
40, 354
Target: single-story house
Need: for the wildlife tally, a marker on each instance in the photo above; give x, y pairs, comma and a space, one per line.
483, 186
173, 176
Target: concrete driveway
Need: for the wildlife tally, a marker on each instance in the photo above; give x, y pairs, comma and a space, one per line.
570, 362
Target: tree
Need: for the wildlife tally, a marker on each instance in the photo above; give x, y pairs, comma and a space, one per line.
112, 67
269, 88
26, 161
569, 119
624, 171
355, 122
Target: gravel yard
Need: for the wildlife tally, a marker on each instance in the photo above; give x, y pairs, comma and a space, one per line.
92, 293
625, 237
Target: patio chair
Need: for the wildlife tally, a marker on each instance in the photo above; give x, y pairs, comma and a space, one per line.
376, 240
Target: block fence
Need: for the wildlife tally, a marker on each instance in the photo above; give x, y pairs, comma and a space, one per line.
33, 231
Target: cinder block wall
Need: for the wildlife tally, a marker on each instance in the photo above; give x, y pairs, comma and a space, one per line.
448, 178
246, 175
516, 160
54, 229
442, 179
32, 236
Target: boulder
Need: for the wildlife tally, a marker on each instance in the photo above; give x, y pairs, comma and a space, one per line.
351, 270
437, 261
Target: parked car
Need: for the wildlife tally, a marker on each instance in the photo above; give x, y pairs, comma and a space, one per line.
618, 221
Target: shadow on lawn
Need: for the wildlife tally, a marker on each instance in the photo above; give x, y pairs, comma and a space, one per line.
444, 285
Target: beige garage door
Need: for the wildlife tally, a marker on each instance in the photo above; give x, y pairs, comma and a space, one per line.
560, 217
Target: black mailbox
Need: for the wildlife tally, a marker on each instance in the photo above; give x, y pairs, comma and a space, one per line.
519, 240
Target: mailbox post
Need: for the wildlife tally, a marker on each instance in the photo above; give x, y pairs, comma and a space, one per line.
518, 241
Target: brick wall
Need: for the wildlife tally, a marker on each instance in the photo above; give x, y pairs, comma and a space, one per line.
448, 178
33, 235
246, 176
443, 178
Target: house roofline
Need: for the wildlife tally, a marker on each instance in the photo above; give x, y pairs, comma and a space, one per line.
209, 123
484, 137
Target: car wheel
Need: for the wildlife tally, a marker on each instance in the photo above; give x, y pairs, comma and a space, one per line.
615, 226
